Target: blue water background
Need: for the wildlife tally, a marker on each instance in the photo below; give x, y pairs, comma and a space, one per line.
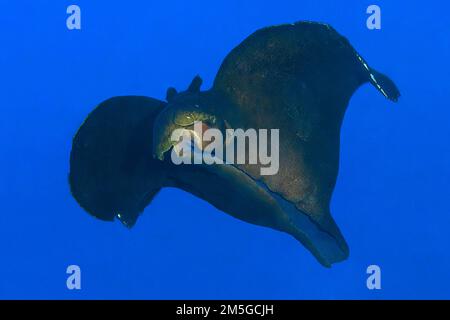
392, 196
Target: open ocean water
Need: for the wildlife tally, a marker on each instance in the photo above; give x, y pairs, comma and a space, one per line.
391, 201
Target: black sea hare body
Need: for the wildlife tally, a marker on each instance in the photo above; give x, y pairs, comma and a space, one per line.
297, 78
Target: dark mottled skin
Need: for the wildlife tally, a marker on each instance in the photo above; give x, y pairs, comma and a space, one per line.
297, 78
